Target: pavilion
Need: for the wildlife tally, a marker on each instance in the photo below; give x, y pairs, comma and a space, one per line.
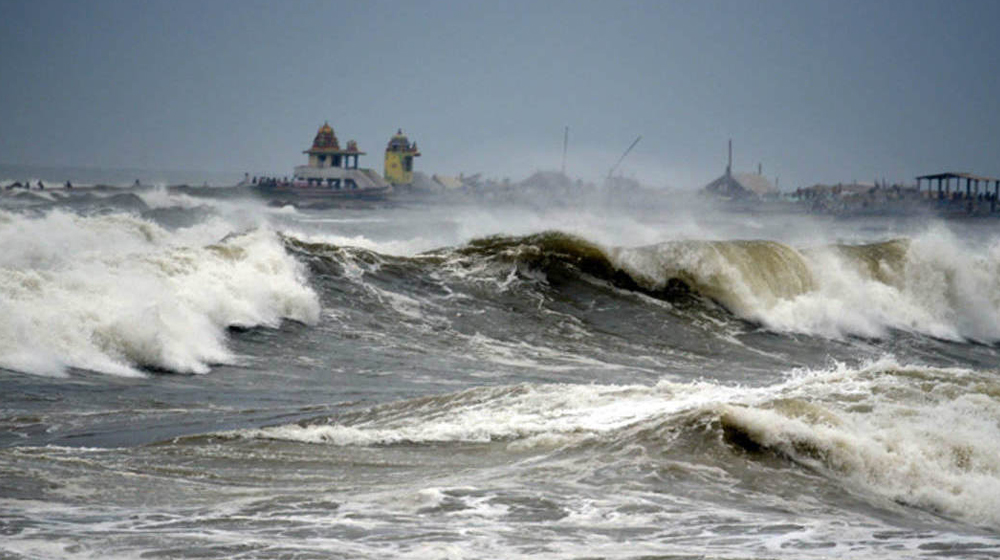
972, 183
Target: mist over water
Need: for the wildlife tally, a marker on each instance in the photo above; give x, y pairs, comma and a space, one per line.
200, 374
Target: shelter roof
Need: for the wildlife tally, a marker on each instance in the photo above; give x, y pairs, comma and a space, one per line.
741, 184
954, 175
758, 184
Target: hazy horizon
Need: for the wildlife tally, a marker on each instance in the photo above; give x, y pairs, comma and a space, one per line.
816, 92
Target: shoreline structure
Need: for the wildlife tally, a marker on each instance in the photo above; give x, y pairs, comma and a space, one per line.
552, 187
332, 178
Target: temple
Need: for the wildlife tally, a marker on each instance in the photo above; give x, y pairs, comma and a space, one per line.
335, 168
399, 154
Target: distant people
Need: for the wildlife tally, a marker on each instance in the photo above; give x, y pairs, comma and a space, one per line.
69, 185
136, 183
41, 186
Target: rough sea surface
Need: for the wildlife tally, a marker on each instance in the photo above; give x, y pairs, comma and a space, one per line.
214, 377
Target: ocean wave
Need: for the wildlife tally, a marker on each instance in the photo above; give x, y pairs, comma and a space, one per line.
118, 294
931, 284
913, 435
922, 437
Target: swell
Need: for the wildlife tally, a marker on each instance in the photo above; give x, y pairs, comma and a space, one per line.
923, 285
932, 284
922, 437
743, 276
553, 257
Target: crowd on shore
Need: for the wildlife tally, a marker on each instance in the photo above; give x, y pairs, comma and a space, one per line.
28, 186
40, 186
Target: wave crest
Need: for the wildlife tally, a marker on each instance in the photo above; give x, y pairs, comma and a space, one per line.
918, 436
118, 294
931, 285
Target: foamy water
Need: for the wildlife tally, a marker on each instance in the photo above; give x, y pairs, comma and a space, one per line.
870, 430
941, 287
428, 382
117, 293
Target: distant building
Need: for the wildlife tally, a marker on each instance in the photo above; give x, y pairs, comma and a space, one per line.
326, 153
399, 154
335, 168
740, 185
856, 198
447, 182
840, 190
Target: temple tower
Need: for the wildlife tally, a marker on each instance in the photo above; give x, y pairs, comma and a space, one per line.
333, 167
399, 154
326, 153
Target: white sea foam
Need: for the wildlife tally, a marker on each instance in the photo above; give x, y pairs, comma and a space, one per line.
940, 286
889, 433
535, 356
943, 289
397, 247
237, 213
115, 293
563, 413
161, 197
920, 436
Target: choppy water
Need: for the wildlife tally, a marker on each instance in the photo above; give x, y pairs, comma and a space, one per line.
211, 377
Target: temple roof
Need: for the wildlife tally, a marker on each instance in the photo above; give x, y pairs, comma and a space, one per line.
400, 143
325, 139
326, 142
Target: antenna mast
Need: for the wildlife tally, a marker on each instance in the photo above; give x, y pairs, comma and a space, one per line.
615, 166
729, 164
565, 143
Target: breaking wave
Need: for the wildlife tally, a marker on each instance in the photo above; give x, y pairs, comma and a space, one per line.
117, 293
930, 285
921, 437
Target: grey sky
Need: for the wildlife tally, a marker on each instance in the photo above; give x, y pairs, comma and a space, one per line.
816, 91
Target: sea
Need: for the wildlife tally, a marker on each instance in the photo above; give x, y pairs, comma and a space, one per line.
205, 373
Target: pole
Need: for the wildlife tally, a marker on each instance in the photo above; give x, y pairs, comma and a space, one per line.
729, 162
617, 163
565, 143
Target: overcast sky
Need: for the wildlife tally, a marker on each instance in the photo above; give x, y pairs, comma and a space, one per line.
815, 91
